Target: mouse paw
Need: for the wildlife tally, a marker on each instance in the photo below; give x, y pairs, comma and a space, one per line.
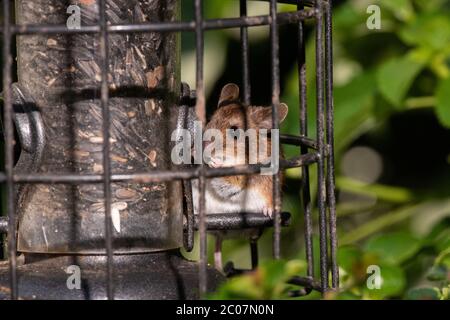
215, 163
268, 211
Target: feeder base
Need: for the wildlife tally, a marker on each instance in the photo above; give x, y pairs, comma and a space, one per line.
160, 275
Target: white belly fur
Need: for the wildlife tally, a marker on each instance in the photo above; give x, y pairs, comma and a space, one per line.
218, 199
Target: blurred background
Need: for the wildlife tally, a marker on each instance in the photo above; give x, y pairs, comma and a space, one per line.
392, 138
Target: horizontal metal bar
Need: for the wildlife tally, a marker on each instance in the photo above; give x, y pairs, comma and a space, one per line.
249, 21
143, 27
175, 26
306, 282
294, 2
160, 175
240, 220
298, 141
217, 221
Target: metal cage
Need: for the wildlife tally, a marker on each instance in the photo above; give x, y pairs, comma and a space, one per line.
319, 150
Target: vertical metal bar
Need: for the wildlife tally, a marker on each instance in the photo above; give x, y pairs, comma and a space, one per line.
189, 232
274, 46
245, 56
201, 112
330, 142
106, 145
187, 184
321, 194
247, 100
306, 197
9, 148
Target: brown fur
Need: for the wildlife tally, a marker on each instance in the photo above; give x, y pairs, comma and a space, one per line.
232, 113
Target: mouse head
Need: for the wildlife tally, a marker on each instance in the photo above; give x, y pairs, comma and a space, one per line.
239, 126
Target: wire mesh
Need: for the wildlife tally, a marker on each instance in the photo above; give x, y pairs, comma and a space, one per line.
319, 151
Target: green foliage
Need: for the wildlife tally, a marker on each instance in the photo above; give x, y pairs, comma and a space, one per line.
424, 294
431, 30
356, 100
269, 281
393, 253
438, 287
395, 77
402, 9
354, 263
393, 248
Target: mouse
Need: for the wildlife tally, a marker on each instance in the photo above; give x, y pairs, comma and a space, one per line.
241, 193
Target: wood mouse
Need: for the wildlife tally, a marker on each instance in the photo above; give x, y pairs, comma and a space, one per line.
231, 194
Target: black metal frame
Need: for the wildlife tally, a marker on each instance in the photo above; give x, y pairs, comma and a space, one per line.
322, 154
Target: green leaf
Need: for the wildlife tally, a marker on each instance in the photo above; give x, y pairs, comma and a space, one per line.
243, 287
428, 30
348, 256
430, 5
445, 293
424, 293
347, 296
443, 102
278, 271
442, 241
395, 77
437, 273
393, 248
353, 106
269, 281
444, 258
402, 9
347, 18
380, 223
381, 192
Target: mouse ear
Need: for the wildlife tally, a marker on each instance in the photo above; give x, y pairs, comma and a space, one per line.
282, 111
262, 116
229, 92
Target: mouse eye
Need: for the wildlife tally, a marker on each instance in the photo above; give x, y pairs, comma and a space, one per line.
235, 132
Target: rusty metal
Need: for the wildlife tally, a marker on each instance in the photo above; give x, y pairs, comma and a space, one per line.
275, 80
321, 192
330, 142
176, 26
239, 221
303, 122
160, 175
9, 150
